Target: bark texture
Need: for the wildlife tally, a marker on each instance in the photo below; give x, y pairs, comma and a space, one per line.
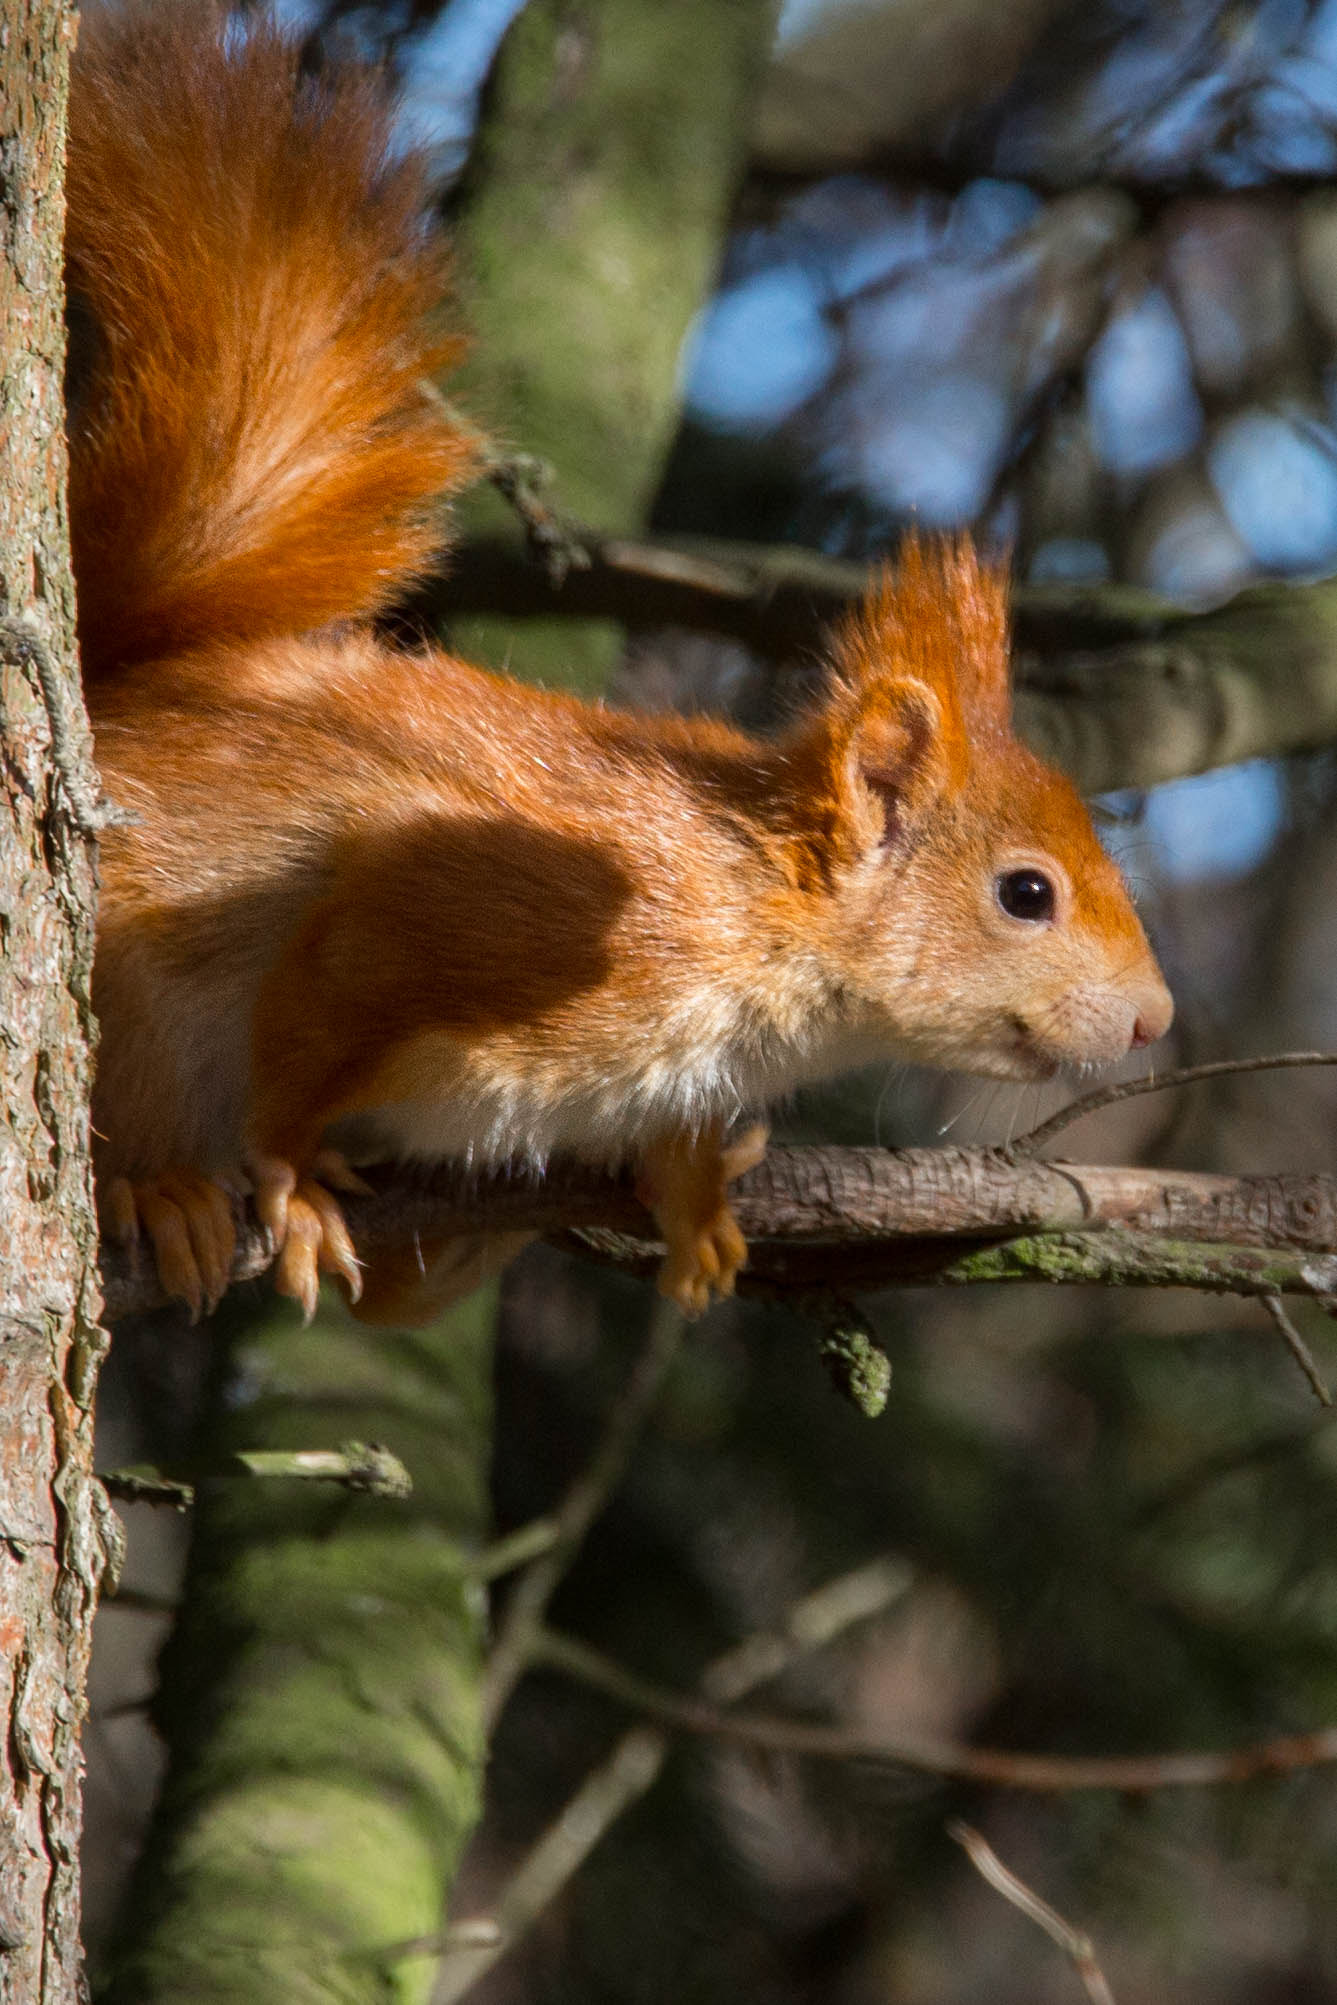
53, 1516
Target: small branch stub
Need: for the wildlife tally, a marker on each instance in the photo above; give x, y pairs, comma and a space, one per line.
147, 1486
362, 1466
859, 1369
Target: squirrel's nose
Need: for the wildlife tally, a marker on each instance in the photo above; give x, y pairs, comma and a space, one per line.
1154, 1017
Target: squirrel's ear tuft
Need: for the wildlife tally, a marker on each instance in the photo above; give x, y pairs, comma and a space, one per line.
939, 615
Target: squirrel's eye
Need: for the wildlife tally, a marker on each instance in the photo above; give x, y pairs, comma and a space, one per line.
1026, 894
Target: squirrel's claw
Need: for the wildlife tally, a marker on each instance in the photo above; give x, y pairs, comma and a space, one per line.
189, 1222
273, 1183
332, 1168
307, 1226
684, 1181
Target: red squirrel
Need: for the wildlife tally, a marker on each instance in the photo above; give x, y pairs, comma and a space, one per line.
380, 903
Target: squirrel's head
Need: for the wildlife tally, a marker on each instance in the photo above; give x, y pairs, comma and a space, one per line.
976, 921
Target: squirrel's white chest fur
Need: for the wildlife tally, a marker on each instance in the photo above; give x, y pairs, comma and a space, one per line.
707, 1063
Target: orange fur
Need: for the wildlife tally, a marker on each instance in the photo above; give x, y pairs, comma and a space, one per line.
390, 905
257, 446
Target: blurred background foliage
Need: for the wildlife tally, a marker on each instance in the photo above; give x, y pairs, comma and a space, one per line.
1066, 273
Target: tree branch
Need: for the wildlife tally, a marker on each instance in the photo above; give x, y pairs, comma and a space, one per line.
359, 1466
635, 1764
532, 1592
842, 1219
1121, 688
778, 599
1183, 1075
1043, 1774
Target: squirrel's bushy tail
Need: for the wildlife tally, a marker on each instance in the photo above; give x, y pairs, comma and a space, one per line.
256, 447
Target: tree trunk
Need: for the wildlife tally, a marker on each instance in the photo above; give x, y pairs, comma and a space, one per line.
590, 227
53, 1517
320, 1695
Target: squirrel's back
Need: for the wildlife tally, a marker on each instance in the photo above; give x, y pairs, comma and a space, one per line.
256, 444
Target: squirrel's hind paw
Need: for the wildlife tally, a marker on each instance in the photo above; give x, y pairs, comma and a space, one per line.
307, 1226
685, 1182
189, 1222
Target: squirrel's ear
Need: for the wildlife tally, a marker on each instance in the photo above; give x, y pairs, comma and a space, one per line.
895, 752
876, 761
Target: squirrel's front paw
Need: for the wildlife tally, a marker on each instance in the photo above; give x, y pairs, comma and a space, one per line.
684, 1182
189, 1221
306, 1224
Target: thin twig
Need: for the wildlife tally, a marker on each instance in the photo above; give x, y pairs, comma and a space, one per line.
1044, 1774
818, 1619
555, 540
635, 1765
606, 1793
1225, 1463
1077, 1947
138, 1601
517, 1548
1297, 1347
1183, 1075
478, 1932
560, 544
579, 1508
358, 1465
126, 1709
